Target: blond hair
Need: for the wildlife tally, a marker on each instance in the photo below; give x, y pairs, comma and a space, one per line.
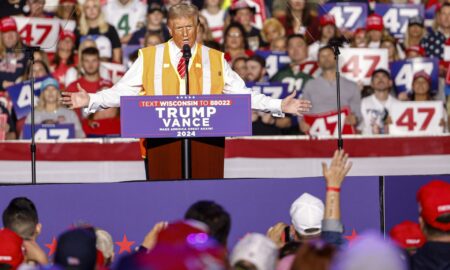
102, 24
183, 10
272, 22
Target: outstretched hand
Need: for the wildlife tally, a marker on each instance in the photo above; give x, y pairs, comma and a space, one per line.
295, 106
338, 169
75, 100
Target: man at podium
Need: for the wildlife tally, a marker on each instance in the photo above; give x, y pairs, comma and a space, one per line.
160, 70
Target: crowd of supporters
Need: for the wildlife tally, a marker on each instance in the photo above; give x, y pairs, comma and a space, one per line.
199, 240
271, 44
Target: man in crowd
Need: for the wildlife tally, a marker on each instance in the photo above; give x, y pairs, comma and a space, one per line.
375, 108
311, 220
434, 210
92, 83
322, 91
297, 50
21, 217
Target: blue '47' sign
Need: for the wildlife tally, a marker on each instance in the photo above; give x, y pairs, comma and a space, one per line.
347, 15
396, 16
20, 95
402, 73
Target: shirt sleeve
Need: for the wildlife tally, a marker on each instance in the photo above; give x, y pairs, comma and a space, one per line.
235, 85
129, 85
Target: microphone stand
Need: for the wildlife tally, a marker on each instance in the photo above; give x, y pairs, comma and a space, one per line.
29, 53
186, 145
335, 47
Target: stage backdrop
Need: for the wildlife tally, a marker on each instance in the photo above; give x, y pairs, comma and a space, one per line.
400, 200
129, 210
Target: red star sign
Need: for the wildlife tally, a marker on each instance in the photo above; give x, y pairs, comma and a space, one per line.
125, 245
351, 237
51, 247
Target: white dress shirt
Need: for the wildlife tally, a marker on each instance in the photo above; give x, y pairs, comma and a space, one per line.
131, 84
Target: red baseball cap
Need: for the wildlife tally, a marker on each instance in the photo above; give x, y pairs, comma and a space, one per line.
374, 22
182, 231
8, 24
68, 1
416, 48
408, 235
327, 19
67, 34
434, 201
10, 248
422, 74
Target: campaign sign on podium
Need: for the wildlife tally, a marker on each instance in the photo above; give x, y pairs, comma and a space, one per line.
185, 116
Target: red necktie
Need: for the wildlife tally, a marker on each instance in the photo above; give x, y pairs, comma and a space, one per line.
181, 67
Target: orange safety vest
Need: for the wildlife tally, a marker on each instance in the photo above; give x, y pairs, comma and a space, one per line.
160, 77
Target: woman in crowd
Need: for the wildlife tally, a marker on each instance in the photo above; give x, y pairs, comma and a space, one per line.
415, 33
12, 59
272, 31
40, 69
299, 19
390, 44
215, 16
328, 30
68, 10
235, 43
64, 62
93, 24
50, 111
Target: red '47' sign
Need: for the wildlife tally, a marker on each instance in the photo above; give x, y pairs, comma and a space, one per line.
358, 64
326, 124
417, 118
39, 32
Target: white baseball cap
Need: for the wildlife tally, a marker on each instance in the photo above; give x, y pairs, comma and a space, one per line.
307, 214
257, 249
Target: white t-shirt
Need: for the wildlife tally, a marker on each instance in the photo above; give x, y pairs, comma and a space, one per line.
215, 23
374, 112
125, 18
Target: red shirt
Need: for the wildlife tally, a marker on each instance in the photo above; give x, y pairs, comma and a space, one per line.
96, 128
90, 87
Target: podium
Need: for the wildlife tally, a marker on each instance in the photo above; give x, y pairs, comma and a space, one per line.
203, 121
165, 158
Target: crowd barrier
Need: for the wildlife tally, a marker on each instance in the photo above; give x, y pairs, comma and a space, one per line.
116, 160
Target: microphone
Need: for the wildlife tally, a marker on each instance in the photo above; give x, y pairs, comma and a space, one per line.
337, 41
186, 51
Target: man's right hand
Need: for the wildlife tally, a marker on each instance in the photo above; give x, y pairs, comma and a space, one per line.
75, 100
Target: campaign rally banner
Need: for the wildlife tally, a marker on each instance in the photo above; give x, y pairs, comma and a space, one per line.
402, 73
417, 118
43, 32
274, 61
277, 90
3, 118
49, 132
20, 95
326, 124
114, 71
185, 116
358, 64
348, 15
396, 16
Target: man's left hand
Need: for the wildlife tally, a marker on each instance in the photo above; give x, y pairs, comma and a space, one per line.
295, 106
